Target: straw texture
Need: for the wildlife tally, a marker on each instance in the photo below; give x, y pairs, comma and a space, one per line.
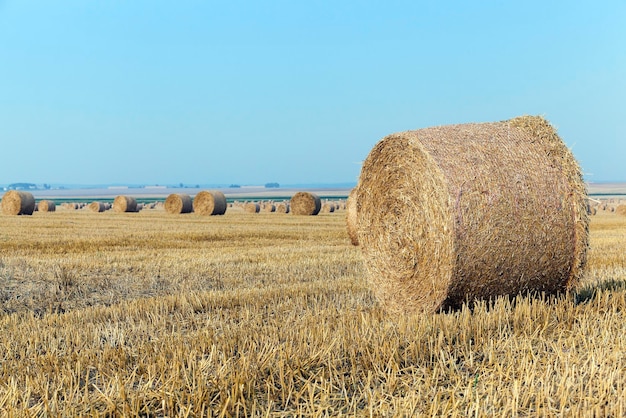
210, 202
18, 203
473, 211
305, 203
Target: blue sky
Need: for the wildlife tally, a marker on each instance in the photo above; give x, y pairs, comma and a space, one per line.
159, 92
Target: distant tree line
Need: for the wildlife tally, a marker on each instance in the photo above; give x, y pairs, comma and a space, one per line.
22, 186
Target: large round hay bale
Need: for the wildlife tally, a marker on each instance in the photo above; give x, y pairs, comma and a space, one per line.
97, 207
210, 202
252, 207
269, 208
124, 203
621, 210
46, 206
351, 220
16, 202
177, 203
305, 203
472, 211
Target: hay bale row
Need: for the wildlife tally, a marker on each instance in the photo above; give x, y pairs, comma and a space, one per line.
473, 211
16, 202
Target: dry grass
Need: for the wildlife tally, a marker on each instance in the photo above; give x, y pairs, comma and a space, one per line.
147, 314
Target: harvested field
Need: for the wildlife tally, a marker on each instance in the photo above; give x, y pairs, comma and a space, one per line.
158, 315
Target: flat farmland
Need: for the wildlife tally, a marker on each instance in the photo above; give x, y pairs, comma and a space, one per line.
152, 314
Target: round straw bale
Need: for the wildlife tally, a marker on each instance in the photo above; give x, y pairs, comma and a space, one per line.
328, 207
46, 206
282, 207
97, 207
305, 203
210, 202
252, 207
463, 212
351, 220
16, 202
621, 210
177, 203
124, 203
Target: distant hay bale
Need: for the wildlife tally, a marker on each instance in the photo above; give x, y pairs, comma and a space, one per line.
305, 203
463, 212
16, 202
177, 203
97, 207
327, 207
351, 220
621, 210
124, 203
210, 202
46, 206
252, 207
282, 207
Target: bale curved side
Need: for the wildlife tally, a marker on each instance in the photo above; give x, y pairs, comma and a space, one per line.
305, 203
177, 203
473, 211
18, 203
210, 202
124, 203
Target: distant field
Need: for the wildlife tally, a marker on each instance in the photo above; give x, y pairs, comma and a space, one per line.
270, 315
607, 188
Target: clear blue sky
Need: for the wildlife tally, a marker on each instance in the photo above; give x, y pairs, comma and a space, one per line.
158, 92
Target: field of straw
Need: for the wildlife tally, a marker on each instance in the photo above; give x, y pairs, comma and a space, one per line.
125, 314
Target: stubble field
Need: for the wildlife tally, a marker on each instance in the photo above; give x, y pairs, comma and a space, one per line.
270, 315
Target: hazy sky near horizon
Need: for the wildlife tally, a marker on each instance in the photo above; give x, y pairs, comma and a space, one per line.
207, 92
